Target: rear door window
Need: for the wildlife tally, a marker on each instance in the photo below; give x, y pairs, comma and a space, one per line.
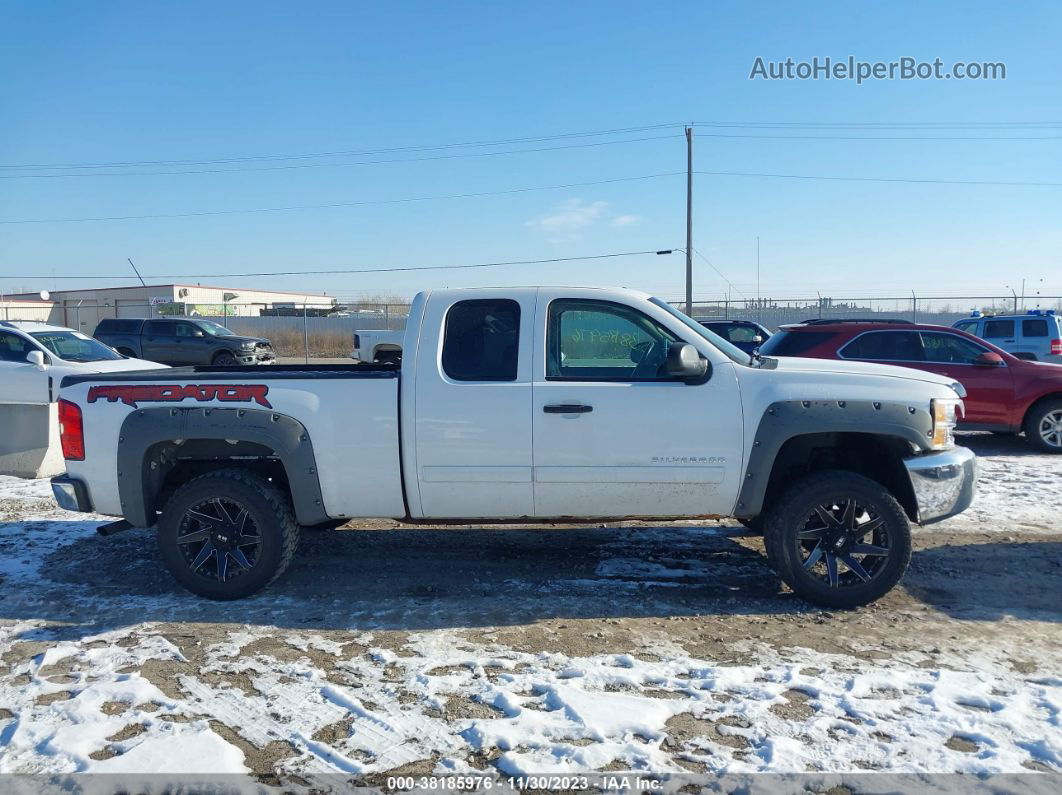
161, 328
886, 346
1036, 327
969, 326
481, 341
998, 329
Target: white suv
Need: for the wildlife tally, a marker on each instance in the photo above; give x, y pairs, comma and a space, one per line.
34, 357
1035, 336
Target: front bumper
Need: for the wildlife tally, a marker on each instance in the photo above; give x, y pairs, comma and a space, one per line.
944, 483
255, 359
70, 494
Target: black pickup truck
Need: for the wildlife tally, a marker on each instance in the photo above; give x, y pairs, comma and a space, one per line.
181, 340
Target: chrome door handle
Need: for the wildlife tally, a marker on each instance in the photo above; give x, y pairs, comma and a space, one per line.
568, 408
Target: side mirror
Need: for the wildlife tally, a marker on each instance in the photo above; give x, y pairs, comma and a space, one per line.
686, 364
989, 359
758, 339
36, 358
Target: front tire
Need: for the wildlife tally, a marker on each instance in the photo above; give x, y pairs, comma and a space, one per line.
1043, 426
227, 534
224, 359
838, 539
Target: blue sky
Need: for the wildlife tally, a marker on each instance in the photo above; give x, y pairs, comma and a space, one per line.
123, 82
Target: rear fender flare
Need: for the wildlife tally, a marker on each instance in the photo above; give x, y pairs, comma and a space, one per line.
284, 435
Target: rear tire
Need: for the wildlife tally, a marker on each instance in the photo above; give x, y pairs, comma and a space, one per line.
227, 534
1043, 426
838, 539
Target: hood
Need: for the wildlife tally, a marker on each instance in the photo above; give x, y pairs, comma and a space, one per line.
845, 367
1049, 369
238, 338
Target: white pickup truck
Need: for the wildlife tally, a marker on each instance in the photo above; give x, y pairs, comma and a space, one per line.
378, 346
522, 405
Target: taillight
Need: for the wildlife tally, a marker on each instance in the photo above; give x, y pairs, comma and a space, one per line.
1056, 347
357, 341
71, 431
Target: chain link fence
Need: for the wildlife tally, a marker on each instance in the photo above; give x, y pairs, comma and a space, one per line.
315, 331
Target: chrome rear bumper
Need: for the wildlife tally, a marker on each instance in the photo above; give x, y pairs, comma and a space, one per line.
944, 483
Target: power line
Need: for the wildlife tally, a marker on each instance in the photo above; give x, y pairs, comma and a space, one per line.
1000, 125
368, 202
466, 155
362, 270
345, 152
482, 194
879, 179
291, 167
718, 272
930, 125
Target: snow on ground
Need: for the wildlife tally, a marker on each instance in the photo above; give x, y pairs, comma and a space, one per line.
1017, 489
310, 679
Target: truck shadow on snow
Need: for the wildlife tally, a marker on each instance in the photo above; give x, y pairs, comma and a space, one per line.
411, 579
419, 578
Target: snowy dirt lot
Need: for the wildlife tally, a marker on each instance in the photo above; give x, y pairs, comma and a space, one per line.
659, 649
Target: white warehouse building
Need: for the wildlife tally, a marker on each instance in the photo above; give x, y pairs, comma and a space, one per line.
83, 309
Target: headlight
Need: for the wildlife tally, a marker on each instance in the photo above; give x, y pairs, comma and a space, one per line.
246, 346
945, 412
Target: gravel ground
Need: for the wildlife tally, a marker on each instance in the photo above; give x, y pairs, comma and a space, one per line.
628, 647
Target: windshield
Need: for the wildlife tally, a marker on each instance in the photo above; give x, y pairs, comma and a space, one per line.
213, 329
728, 348
75, 347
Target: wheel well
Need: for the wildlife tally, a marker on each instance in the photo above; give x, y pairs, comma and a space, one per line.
126, 351
1036, 403
877, 457
219, 354
170, 464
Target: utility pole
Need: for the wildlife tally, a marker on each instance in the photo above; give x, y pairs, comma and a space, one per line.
759, 304
689, 221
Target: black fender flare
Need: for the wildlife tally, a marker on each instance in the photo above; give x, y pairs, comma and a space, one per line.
144, 428
788, 419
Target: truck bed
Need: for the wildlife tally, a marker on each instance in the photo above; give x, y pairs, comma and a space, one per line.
348, 413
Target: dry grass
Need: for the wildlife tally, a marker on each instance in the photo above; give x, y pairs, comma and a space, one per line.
331, 344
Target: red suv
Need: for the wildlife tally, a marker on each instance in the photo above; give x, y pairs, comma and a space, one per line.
1003, 393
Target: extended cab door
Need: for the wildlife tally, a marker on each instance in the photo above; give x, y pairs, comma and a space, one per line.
472, 408
614, 435
159, 341
20, 381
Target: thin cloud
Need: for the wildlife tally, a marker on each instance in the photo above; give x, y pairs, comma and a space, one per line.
621, 221
567, 220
